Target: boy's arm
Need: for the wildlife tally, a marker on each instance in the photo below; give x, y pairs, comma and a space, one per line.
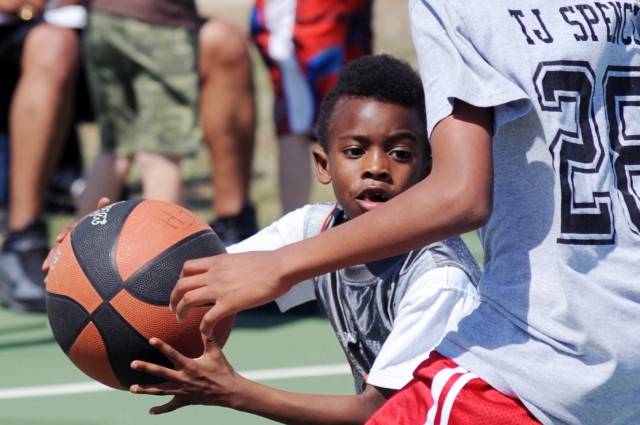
313, 409
210, 380
455, 198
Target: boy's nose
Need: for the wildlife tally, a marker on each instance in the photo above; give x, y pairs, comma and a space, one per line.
375, 165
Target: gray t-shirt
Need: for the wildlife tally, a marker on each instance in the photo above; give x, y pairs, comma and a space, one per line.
363, 301
388, 315
560, 290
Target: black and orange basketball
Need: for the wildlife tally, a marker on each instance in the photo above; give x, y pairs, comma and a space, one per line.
109, 285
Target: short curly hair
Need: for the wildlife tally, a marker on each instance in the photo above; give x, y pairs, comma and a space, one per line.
383, 78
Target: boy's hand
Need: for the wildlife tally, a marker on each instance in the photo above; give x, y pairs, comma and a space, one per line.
208, 379
231, 282
103, 202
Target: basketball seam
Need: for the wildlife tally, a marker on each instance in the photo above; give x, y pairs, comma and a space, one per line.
78, 253
83, 323
126, 285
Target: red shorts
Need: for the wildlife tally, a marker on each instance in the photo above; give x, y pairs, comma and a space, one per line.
444, 393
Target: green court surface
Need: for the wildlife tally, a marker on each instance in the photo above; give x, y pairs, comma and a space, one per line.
40, 386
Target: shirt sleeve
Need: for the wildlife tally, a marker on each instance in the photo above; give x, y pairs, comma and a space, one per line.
71, 16
287, 230
432, 307
454, 63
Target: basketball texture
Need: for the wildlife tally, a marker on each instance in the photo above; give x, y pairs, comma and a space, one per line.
109, 285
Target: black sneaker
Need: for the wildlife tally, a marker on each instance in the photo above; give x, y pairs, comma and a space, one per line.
236, 228
21, 275
67, 185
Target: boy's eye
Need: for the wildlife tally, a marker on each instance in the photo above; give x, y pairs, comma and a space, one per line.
353, 152
400, 154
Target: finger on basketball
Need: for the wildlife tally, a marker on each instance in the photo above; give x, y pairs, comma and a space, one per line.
152, 369
209, 321
183, 285
149, 389
47, 261
196, 266
103, 202
188, 292
168, 351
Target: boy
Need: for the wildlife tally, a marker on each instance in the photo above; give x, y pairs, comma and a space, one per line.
387, 314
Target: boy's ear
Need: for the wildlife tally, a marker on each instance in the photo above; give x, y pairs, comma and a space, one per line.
321, 159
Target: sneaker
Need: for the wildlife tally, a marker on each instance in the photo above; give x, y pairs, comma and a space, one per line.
67, 185
236, 228
21, 275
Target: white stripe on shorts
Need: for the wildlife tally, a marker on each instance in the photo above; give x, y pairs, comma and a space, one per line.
439, 381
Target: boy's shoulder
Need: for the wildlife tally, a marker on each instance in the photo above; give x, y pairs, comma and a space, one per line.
319, 217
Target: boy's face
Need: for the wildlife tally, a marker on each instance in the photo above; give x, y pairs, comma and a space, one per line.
376, 150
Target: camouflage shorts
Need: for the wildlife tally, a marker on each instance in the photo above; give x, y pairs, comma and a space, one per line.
145, 85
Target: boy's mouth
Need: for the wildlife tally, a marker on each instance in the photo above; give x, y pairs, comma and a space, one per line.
374, 196
370, 198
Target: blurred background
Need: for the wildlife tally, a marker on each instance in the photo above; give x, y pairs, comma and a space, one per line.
391, 35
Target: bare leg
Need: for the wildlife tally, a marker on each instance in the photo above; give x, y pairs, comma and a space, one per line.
40, 116
105, 179
161, 177
294, 171
227, 113
39, 119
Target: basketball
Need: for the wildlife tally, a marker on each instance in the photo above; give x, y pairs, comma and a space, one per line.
109, 285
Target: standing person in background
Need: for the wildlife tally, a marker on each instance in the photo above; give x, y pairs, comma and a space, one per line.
304, 45
38, 68
228, 119
226, 113
141, 59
